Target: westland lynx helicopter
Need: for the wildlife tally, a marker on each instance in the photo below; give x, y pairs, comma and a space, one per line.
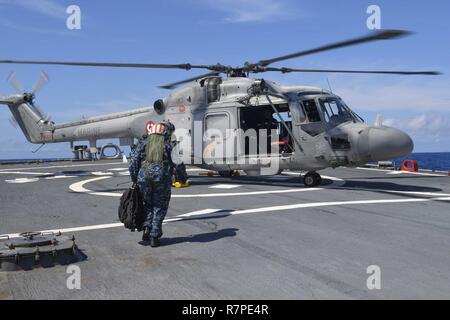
315, 128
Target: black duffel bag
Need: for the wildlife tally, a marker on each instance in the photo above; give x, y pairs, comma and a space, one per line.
131, 209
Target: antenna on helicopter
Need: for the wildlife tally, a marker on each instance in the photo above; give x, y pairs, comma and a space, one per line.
329, 85
379, 120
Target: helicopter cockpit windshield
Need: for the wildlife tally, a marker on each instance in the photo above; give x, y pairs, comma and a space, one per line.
335, 112
324, 111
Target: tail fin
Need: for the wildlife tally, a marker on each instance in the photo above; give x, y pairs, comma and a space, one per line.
30, 120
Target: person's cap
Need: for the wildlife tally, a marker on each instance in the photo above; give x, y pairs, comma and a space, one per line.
157, 129
169, 127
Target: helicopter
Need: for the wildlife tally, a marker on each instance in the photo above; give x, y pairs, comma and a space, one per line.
307, 128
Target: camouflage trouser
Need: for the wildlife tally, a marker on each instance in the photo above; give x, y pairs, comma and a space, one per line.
156, 202
180, 173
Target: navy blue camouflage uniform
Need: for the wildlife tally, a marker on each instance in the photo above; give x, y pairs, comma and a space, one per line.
155, 182
181, 173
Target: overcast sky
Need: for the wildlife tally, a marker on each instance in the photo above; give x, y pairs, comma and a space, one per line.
230, 32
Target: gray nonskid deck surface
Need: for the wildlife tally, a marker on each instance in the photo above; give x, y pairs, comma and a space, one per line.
270, 239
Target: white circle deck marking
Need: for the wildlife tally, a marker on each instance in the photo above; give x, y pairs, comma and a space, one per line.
100, 173
79, 187
60, 177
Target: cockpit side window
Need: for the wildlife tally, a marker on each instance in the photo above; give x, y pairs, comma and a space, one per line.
311, 111
334, 111
213, 89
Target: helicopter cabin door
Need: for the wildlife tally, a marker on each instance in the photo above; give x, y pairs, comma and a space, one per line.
264, 131
216, 131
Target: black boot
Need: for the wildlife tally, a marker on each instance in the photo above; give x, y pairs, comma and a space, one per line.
154, 242
146, 234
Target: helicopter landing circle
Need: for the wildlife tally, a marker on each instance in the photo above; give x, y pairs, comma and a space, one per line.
80, 187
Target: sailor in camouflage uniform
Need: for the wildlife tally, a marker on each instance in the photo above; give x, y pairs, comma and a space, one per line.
154, 178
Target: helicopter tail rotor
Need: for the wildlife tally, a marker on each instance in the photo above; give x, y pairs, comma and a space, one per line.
38, 85
12, 79
27, 97
26, 115
41, 81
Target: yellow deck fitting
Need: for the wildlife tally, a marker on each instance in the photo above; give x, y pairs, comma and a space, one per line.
178, 185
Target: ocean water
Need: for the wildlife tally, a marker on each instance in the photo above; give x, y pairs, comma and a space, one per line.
32, 160
432, 161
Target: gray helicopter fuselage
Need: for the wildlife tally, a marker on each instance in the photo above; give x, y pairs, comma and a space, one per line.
318, 144
319, 130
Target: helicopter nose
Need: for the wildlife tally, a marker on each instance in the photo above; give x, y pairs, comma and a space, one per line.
385, 143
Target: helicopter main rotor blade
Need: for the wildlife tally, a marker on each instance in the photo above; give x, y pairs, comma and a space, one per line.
287, 70
379, 35
175, 84
185, 66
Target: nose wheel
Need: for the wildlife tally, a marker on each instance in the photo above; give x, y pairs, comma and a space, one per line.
312, 179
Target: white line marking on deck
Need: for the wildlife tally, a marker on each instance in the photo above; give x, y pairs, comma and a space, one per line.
225, 186
76, 229
22, 180
219, 212
402, 172
194, 213
373, 169
90, 164
417, 173
28, 173
61, 166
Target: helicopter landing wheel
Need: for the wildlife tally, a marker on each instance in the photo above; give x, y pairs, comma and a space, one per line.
312, 179
226, 174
